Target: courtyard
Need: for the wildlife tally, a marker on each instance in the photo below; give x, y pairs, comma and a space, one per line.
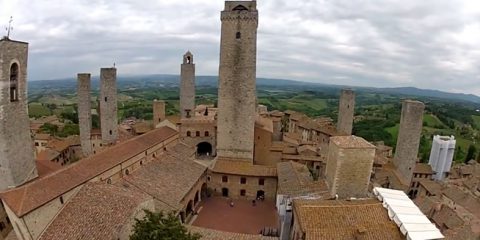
243, 217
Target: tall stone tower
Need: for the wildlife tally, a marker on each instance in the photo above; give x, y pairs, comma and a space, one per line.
108, 105
408, 140
158, 112
85, 113
345, 111
187, 85
17, 163
237, 76
349, 166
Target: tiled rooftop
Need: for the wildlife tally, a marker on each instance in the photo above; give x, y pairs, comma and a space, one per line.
210, 234
30, 196
294, 179
243, 168
351, 142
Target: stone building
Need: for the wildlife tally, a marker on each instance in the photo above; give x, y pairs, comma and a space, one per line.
108, 105
406, 152
17, 163
187, 86
199, 130
441, 155
85, 113
158, 112
346, 110
237, 77
349, 166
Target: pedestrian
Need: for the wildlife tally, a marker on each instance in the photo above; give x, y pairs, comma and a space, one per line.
231, 203
254, 202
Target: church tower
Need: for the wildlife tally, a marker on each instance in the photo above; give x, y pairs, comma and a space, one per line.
236, 85
17, 163
187, 85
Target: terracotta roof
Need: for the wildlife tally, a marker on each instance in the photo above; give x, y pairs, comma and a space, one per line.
433, 187
42, 136
167, 179
182, 150
61, 145
294, 179
175, 119
264, 123
47, 155
423, 168
46, 167
98, 211
241, 167
28, 197
464, 199
142, 127
351, 142
210, 234
341, 219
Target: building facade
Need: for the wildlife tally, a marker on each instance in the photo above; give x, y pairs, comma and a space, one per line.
441, 156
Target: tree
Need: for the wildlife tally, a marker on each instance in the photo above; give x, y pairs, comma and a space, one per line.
470, 153
49, 128
157, 226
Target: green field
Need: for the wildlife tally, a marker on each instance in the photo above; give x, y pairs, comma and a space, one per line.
38, 110
476, 121
432, 121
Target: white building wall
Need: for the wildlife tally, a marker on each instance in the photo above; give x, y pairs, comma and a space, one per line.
441, 155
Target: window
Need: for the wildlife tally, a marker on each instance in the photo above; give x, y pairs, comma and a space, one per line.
243, 180
2, 226
206, 134
109, 181
105, 99
36, 144
189, 133
8, 220
224, 179
141, 162
13, 83
61, 199
110, 132
197, 133
261, 181
243, 192
208, 178
238, 35
127, 172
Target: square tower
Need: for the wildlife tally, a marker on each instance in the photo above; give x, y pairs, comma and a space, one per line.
85, 113
158, 112
349, 166
237, 77
187, 85
346, 111
17, 162
408, 141
108, 105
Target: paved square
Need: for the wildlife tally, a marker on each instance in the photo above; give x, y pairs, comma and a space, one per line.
243, 217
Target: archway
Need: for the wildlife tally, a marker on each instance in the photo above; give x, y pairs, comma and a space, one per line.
225, 192
189, 208
204, 191
260, 194
204, 149
196, 198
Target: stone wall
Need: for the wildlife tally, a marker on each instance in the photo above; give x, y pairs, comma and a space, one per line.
408, 140
85, 113
234, 186
263, 143
346, 110
187, 85
158, 112
206, 133
108, 105
236, 88
7, 226
17, 163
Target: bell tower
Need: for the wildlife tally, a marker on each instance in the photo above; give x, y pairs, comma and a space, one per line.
187, 85
17, 163
237, 77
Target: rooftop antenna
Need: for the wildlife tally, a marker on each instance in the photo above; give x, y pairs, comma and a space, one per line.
113, 64
10, 27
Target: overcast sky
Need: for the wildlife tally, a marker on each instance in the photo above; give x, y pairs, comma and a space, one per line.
423, 43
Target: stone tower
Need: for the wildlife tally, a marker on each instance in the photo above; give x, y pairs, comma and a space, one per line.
187, 85
108, 105
85, 113
345, 111
158, 112
349, 166
17, 163
236, 85
408, 140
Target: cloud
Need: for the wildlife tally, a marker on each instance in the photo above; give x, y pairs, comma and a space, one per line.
428, 44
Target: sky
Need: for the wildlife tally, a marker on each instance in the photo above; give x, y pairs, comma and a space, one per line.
433, 44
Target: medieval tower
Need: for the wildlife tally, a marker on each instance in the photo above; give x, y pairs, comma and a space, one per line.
84, 113
108, 105
17, 163
408, 141
236, 85
158, 112
187, 85
346, 110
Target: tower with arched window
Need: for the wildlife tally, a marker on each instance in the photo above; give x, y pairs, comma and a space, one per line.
237, 77
17, 163
187, 85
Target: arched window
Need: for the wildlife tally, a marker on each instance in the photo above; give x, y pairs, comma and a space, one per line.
189, 133
197, 133
14, 82
238, 35
127, 172
189, 60
206, 134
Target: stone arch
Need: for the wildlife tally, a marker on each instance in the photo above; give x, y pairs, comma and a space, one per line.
14, 76
196, 198
204, 149
240, 8
189, 209
204, 191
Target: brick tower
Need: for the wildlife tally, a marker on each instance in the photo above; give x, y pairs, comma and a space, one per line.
345, 111
85, 113
158, 112
236, 85
187, 85
17, 163
108, 105
408, 141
